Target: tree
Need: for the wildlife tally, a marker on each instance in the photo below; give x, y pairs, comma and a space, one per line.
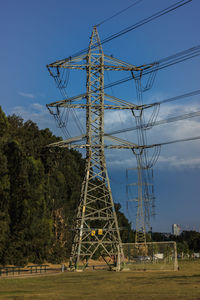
127, 234
4, 187
39, 191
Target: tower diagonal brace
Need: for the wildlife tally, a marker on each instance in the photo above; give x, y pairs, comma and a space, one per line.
96, 207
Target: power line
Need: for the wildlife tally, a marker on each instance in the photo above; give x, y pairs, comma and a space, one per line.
193, 93
146, 20
62, 120
175, 141
135, 26
118, 13
165, 121
162, 64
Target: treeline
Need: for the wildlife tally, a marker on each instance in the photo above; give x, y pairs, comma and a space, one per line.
188, 242
39, 192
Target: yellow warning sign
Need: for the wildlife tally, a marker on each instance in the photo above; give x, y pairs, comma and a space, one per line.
100, 231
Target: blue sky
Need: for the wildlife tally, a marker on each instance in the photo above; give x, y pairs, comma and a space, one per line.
35, 33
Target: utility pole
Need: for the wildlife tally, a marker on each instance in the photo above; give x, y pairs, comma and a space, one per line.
96, 229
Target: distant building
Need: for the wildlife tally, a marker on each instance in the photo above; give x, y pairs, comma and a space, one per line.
176, 229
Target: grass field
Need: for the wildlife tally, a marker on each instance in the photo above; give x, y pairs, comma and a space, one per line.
96, 285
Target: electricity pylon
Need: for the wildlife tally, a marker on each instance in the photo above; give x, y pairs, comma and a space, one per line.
145, 197
96, 227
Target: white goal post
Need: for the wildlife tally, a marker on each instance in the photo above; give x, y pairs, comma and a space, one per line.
149, 256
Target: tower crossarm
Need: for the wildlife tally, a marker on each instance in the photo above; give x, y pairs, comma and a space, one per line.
87, 146
77, 62
124, 103
70, 100
69, 143
77, 102
145, 106
110, 64
123, 142
120, 65
95, 106
117, 65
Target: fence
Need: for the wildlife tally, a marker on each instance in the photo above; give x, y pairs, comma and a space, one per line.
32, 270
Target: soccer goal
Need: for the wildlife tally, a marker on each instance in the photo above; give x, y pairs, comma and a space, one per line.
150, 256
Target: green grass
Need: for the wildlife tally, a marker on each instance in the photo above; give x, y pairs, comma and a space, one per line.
96, 285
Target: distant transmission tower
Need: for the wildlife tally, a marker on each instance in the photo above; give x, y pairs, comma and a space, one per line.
96, 227
145, 162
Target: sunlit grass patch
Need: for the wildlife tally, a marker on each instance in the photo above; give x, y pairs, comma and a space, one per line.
96, 285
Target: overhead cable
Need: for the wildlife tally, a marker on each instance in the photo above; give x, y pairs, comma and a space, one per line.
190, 94
136, 25
160, 122
162, 64
175, 141
146, 20
118, 13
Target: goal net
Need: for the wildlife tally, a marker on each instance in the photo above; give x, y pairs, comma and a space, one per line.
150, 256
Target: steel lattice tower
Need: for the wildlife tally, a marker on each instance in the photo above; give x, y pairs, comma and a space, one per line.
96, 203
96, 227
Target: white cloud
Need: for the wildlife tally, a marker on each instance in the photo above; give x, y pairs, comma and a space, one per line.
122, 164
39, 114
179, 155
177, 162
115, 120
27, 95
38, 107
35, 112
